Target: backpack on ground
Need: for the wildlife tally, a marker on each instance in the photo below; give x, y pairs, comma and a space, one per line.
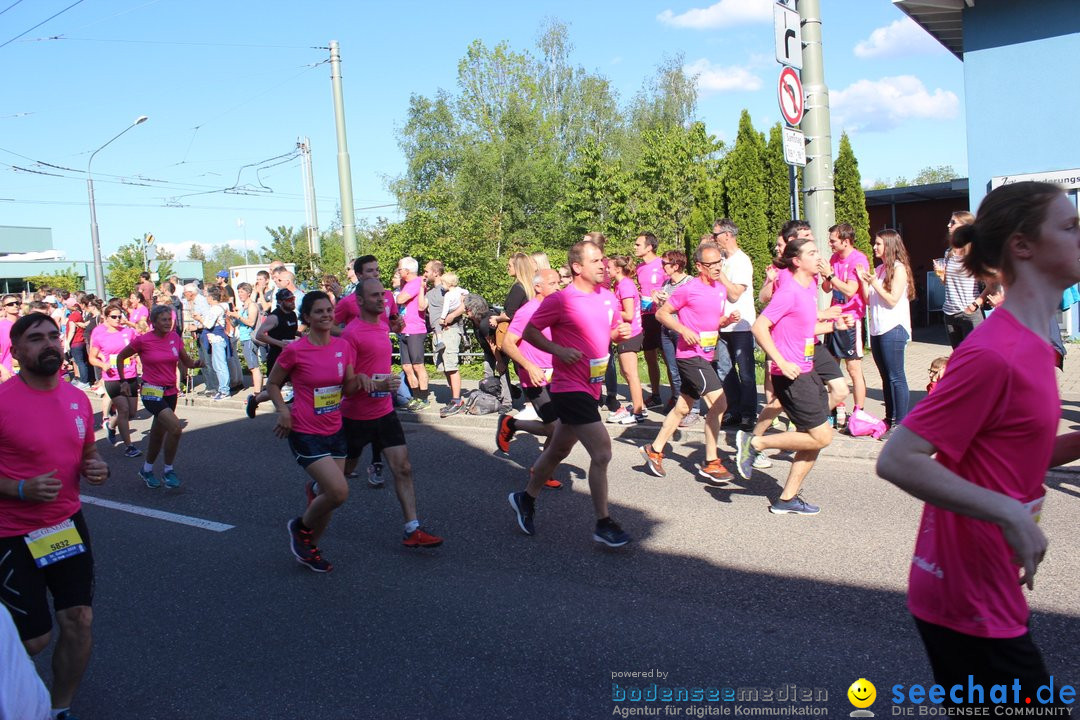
481, 403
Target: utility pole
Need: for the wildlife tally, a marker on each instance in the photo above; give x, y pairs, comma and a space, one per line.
818, 175
348, 221
310, 212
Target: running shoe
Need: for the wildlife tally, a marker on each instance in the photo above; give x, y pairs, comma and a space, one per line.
504, 433
420, 538
354, 475
608, 532
300, 541
794, 506
524, 506
730, 421
744, 454
691, 419
132, 452
715, 471
633, 418
110, 432
309, 491
654, 401
452, 408
220, 396
416, 405
762, 462
623, 413
654, 460
778, 424
374, 475
150, 479
553, 484
316, 563
172, 480
250, 406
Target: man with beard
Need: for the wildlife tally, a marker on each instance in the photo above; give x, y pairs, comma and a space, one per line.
44, 542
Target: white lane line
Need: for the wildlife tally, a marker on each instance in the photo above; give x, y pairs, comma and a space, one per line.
158, 514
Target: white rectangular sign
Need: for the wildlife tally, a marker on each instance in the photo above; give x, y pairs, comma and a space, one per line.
794, 147
1068, 179
788, 36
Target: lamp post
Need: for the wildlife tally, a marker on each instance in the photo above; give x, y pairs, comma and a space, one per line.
99, 270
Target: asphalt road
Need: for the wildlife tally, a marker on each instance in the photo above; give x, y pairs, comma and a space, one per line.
714, 591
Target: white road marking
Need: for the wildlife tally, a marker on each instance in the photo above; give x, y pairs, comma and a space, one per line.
158, 514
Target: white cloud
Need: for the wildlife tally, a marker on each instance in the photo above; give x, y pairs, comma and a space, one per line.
876, 105
713, 78
901, 38
725, 13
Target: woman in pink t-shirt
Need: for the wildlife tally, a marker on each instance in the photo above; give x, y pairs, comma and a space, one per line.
106, 342
138, 313
320, 367
978, 457
622, 267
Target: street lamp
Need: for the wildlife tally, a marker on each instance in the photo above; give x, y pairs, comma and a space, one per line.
99, 270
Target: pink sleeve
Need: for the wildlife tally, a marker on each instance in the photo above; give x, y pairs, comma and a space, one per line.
549, 311
953, 414
778, 307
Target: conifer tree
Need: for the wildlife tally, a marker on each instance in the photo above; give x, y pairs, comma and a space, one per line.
850, 198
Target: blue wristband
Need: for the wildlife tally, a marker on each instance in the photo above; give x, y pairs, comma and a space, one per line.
21, 483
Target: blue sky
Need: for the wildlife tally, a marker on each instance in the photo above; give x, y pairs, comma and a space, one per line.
234, 84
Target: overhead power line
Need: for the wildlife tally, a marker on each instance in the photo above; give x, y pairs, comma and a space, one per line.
40, 23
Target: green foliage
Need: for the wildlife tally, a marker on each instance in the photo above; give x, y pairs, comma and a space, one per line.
68, 279
931, 175
850, 198
777, 182
126, 264
745, 195
223, 257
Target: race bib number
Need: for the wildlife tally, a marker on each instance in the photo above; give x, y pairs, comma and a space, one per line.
379, 378
597, 370
327, 399
1035, 508
707, 341
547, 374
53, 544
808, 350
153, 392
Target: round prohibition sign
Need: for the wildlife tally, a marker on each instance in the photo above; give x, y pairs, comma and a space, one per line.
790, 94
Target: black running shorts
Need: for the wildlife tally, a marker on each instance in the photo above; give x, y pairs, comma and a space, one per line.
575, 408
310, 448
825, 365
804, 399
541, 402
412, 348
697, 377
381, 433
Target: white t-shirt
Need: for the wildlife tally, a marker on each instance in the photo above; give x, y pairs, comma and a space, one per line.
22, 694
452, 300
740, 271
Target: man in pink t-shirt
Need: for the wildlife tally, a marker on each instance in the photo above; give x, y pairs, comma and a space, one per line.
584, 321
534, 367
44, 541
650, 278
412, 303
840, 276
348, 309
785, 330
696, 311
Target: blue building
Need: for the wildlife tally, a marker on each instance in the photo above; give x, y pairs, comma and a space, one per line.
1021, 97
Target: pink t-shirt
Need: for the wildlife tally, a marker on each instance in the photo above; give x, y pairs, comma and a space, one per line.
582, 321
41, 431
414, 319
793, 313
626, 289
139, 313
159, 356
348, 309
700, 307
993, 418
372, 350
109, 344
650, 277
5, 344
844, 269
317, 374
533, 354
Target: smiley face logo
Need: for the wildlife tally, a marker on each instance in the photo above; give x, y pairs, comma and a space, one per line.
862, 693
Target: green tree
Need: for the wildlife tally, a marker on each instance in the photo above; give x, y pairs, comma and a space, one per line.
777, 182
124, 267
291, 246
850, 199
68, 279
196, 252
745, 195
931, 175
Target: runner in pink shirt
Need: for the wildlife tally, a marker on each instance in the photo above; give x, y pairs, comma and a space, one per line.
106, 342
10, 306
841, 278
320, 368
534, 369
785, 330
626, 292
584, 321
160, 351
347, 308
978, 459
369, 416
46, 444
696, 311
650, 278
412, 302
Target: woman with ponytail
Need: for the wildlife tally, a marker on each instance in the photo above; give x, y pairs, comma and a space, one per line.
976, 450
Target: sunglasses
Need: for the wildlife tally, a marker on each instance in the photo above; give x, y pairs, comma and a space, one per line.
11, 304
115, 317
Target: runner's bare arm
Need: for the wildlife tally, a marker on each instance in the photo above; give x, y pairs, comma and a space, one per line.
1066, 449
